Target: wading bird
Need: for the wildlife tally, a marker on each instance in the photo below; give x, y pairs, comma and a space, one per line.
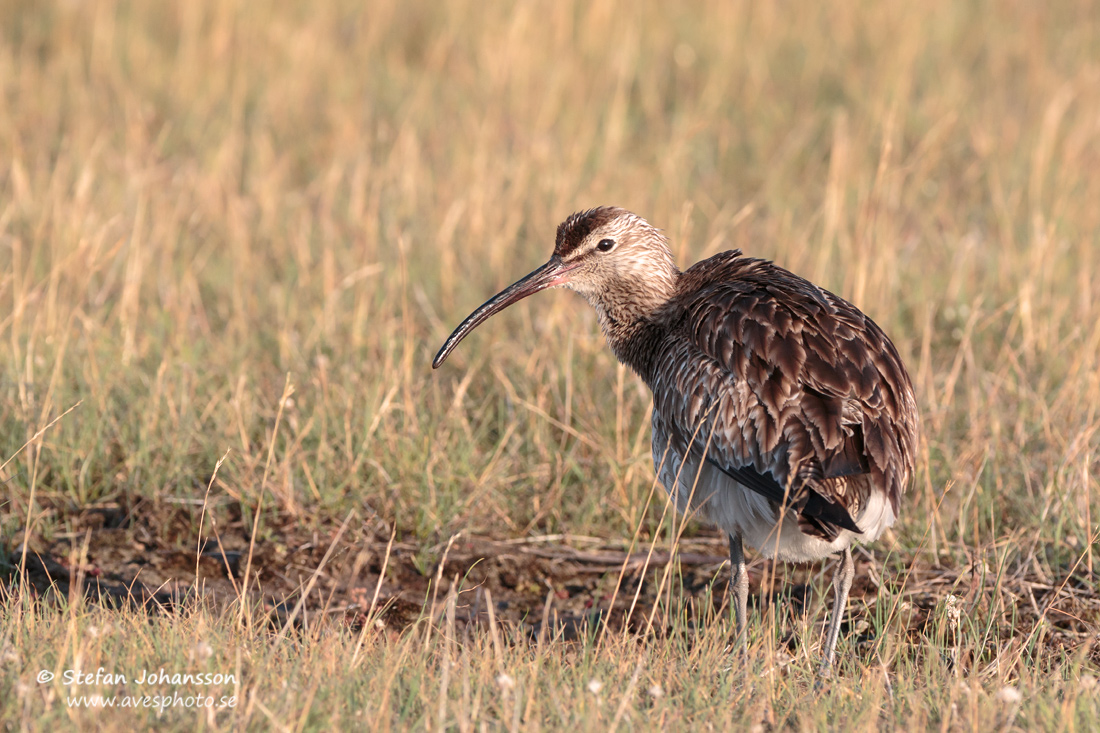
781, 412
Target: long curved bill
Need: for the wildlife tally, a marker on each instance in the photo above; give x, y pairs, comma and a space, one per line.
547, 276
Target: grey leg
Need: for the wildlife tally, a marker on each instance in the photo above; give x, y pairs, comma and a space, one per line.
739, 582
842, 583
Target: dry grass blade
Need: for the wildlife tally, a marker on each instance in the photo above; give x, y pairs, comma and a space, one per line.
258, 510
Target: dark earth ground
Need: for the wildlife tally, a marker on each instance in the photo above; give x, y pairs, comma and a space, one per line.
565, 585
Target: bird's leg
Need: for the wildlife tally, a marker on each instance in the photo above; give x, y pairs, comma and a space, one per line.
842, 583
739, 581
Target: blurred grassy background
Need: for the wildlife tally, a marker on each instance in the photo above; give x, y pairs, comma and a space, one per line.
198, 199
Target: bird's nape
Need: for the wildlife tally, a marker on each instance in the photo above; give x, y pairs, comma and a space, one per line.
551, 274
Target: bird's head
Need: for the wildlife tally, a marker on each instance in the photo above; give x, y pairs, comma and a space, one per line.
619, 262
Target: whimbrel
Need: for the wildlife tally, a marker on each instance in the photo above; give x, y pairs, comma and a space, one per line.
781, 412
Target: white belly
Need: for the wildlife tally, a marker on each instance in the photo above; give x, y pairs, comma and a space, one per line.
716, 497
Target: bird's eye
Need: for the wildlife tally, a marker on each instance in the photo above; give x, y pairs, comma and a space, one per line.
605, 245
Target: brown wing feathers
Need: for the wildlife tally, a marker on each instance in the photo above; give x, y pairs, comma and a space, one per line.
808, 389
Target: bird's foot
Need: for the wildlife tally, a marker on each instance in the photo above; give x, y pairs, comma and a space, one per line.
735, 651
824, 673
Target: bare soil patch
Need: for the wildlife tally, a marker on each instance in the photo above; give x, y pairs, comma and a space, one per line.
576, 585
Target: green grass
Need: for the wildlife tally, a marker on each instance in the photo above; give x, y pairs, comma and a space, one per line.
203, 203
442, 677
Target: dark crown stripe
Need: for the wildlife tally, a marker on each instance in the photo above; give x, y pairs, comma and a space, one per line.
573, 231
